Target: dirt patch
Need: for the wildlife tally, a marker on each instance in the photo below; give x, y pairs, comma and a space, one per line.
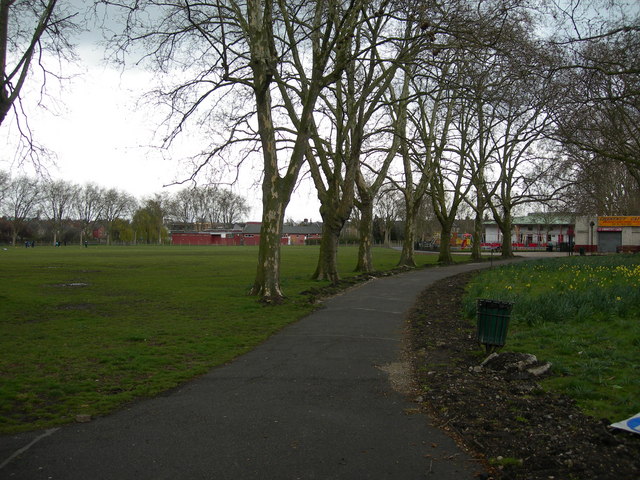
399, 376
501, 413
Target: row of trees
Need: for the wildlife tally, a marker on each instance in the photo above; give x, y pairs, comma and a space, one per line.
62, 211
486, 105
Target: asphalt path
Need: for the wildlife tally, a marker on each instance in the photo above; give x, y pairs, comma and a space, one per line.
322, 399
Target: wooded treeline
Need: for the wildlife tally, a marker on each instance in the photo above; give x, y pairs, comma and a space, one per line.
486, 105
57, 211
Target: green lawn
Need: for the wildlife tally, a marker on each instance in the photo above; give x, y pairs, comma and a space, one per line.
583, 315
85, 330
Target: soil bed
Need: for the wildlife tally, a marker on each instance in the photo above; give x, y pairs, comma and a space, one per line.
504, 416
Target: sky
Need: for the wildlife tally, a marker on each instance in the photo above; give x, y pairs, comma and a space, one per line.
100, 132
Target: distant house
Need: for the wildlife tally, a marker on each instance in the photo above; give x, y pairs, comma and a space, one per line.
219, 236
247, 234
251, 233
303, 234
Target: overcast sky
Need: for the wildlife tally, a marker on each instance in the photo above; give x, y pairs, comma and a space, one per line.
100, 133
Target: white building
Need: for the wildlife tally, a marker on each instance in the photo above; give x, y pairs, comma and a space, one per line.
536, 230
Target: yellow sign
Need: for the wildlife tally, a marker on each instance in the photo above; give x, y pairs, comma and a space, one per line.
619, 221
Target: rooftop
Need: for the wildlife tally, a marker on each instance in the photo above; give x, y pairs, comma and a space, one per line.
539, 218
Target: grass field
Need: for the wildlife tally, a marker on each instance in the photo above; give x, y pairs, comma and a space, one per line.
85, 330
583, 315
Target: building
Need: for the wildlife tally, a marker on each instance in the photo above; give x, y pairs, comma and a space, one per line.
608, 234
248, 234
304, 234
535, 230
602, 234
231, 236
251, 233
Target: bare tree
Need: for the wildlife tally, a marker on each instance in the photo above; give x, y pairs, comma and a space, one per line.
117, 205
232, 207
376, 161
5, 180
389, 209
591, 192
183, 207
493, 75
523, 168
206, 205
58, 197
433, 162
29, 31
351, 107
266, 62
370, 178
427, 103
600, 111
88, 207
148, 221
21, 201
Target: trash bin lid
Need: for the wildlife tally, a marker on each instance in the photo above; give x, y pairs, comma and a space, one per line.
487, 303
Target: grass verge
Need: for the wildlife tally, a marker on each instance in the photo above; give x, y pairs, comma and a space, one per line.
583, 315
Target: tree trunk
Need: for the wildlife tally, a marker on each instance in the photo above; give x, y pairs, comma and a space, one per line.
445, 245
327, 268
505, 228
275, 197
408, 245
365, 231
333, 221
267, 281
387, 233
476, 246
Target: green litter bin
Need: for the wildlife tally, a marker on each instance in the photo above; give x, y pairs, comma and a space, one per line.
493, 322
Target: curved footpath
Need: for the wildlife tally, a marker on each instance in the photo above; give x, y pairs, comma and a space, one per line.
315, 401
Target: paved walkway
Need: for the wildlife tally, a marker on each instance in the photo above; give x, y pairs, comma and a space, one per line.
313, 402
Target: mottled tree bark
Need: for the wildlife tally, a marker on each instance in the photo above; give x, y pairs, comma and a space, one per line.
365, 232
267, 281
476, 246
412, 193
408, 245
505, 225
277, 187
327, 268
445, 247
336, 204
